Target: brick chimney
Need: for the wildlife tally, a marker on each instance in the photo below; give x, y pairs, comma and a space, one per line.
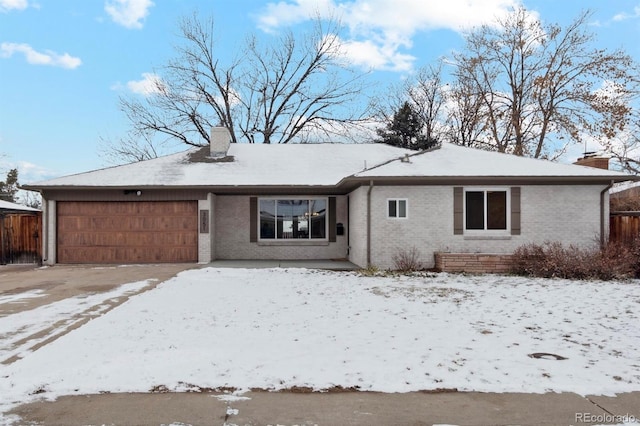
219, 141
593, 159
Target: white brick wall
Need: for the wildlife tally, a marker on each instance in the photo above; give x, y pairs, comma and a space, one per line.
206, 241
427, 226
232, 235
570, 214
358, 226
49, 215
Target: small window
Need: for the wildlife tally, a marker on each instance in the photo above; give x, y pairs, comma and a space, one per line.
397, 208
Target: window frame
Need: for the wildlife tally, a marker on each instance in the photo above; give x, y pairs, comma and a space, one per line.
485, 231
397, 202
292, 240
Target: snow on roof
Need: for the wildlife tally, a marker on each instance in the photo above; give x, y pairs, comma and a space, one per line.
317, 165
6, 205
623, 186
252, 165
457, 161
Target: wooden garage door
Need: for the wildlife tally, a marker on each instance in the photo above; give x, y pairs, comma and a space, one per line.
127, 232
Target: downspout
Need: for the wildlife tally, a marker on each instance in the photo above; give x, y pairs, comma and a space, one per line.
369, 223
348, 228
603, 239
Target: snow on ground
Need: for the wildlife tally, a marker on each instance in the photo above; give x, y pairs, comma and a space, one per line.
21, 297
279, 328
17, 330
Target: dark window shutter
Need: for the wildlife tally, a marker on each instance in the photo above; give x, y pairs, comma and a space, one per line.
458, 222
332, 219
253, 219
515, 210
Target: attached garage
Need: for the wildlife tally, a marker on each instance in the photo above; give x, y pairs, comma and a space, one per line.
127, 231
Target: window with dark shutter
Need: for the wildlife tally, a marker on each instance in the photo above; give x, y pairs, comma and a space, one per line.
253, 219
458, 218
479, 211
515, 211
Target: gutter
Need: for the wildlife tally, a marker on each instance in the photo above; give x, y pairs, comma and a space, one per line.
603, 238
369, 223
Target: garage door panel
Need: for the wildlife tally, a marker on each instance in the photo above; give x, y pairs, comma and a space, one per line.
120, 255
130, 223
127, 232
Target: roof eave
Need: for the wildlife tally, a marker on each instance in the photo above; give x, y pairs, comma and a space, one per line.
486, 180
352, 181
218, 189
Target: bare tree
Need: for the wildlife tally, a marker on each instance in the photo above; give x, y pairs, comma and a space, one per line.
130, 149
624, 147
538, 84
420, 99
428, 98
465, 120
278, 91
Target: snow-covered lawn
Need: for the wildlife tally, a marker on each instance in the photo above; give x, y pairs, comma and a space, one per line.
280, 328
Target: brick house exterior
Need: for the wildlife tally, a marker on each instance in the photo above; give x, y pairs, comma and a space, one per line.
361, 202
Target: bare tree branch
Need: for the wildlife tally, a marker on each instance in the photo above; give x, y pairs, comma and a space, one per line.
276, 91
540, 84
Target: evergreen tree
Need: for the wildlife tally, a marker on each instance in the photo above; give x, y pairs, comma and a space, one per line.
405, 130
9, 187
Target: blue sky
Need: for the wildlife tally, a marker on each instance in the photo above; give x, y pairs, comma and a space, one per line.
64, 63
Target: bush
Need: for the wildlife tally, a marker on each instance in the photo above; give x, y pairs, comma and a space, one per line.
407, 260
553, 260
370, 271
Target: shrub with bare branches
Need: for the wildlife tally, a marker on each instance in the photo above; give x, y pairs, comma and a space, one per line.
407, 260
553, 260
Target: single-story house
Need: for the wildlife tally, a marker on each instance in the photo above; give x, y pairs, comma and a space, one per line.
361, 202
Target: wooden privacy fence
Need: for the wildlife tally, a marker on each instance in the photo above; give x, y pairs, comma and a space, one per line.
624, 227
20, 238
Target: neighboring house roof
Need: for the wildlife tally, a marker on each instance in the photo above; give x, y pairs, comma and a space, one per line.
624, 186
6, 205
321, 165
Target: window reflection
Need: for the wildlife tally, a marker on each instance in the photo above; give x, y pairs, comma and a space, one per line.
293, 218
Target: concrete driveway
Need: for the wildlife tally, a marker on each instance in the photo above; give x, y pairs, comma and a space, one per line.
59, 282
25, 288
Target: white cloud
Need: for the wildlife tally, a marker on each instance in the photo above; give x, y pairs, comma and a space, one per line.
8, 5
149, 85
624, 15
286, 13
368, 54
382, 28
34, 57
128, 13
29, 172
